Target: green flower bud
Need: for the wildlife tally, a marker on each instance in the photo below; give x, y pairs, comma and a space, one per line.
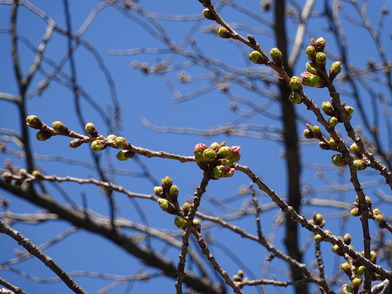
355, 211
158, 190
75, 143
215, 146
335, 69
208, 14
316, 131
224, 33
180, 222
327, 107
337, 160
58, 126
166, 183
173, 194
310, 52
7, 176
359, 164
318, 238
23, 172
356, 282
373, 256
33, 122
349, 110
186, 207
332, 144
120, 142
333, 121
276, 56
295, 83
224, 151
319, 44
91, 130
295, 98
98, 145
320, 59
209, 155
43, 135
379, 218
111, 137
360, 270
37, 175
318, 219
163, 204
347, 289
312, 68
197, 223
376, 211
123, 155
256, 57
354, 148
336, 249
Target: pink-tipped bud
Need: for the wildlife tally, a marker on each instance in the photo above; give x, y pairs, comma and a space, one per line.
311, 80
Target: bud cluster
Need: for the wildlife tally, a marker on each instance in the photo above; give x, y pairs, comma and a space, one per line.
356, 211
334, 114
168, 194
217, 159
239, 278
316, 67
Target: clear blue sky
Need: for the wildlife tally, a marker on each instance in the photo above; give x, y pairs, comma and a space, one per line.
148, 97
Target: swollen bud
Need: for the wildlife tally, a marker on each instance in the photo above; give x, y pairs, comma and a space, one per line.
208, 14
98, 145
312, 68
319, 44
58, 126
337, 160
295, 98
311, 80
256, 57
75, 143
43, 135
310, 52
295, 83
166, 183
359, 164
276, 56
33, 122
120, 142
335, 69
320, 59
180, 222
123, 155
327, 108
91, 130
224, 33
158, 190
163, 204
333, 121
173, 194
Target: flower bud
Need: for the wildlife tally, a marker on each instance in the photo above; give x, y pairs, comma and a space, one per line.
43, 135
336, 249
58, 126
186, 207
379, 218
308, 134
337, 160
360, 270
345, 266
91, 130
327, 107
224, 151
276, 56
158, 190
355, 211
216, 146
111, 137
33, 122
359, 164
180, 222
349, 110
311, 80
373, 256
235, 153
166, 183
256, 57
320, 59
295, 98
324, 146
318, 238
333, 144
333, 121
295, 83
37, 175
316, 131
224, 33
310, 52
199, 148
98, 145
75, 143
120, 142
208, 14
319, 44
197, 224
335, 69
123, 155
7, 177
222, 171
209, 155
356, 282
318, 219
173, 194
311, 67
163, 204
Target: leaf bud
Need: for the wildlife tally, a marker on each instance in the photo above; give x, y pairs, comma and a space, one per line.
208, 14
333, 121
43, 135
91, 130
33, 122
75, 143
58, 126
295, 98
224, 33
256, 57
98, 145
180, 222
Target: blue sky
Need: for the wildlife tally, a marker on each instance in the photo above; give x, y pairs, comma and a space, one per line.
148, 97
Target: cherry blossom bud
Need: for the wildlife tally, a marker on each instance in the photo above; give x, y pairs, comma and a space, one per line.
319, 44
158, 190
310, 52
337, 160
120, 142
333, 121
224, 33
320, 59
58, 126
91, 130
295, 97
312, 68
33, 122
359, 164
335, 69
311, 80
276, 56
295, 83
43, 135
256, 57
163, 204
180, 222
327, 107
98, 145
75, 143
208, 14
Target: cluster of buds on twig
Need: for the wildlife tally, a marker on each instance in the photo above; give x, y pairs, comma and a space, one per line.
315, 69
168, 202
355, 273
359, 163
335, 115
217, 160
18, 176
356, 211
318, 219
97, 141
239, 278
